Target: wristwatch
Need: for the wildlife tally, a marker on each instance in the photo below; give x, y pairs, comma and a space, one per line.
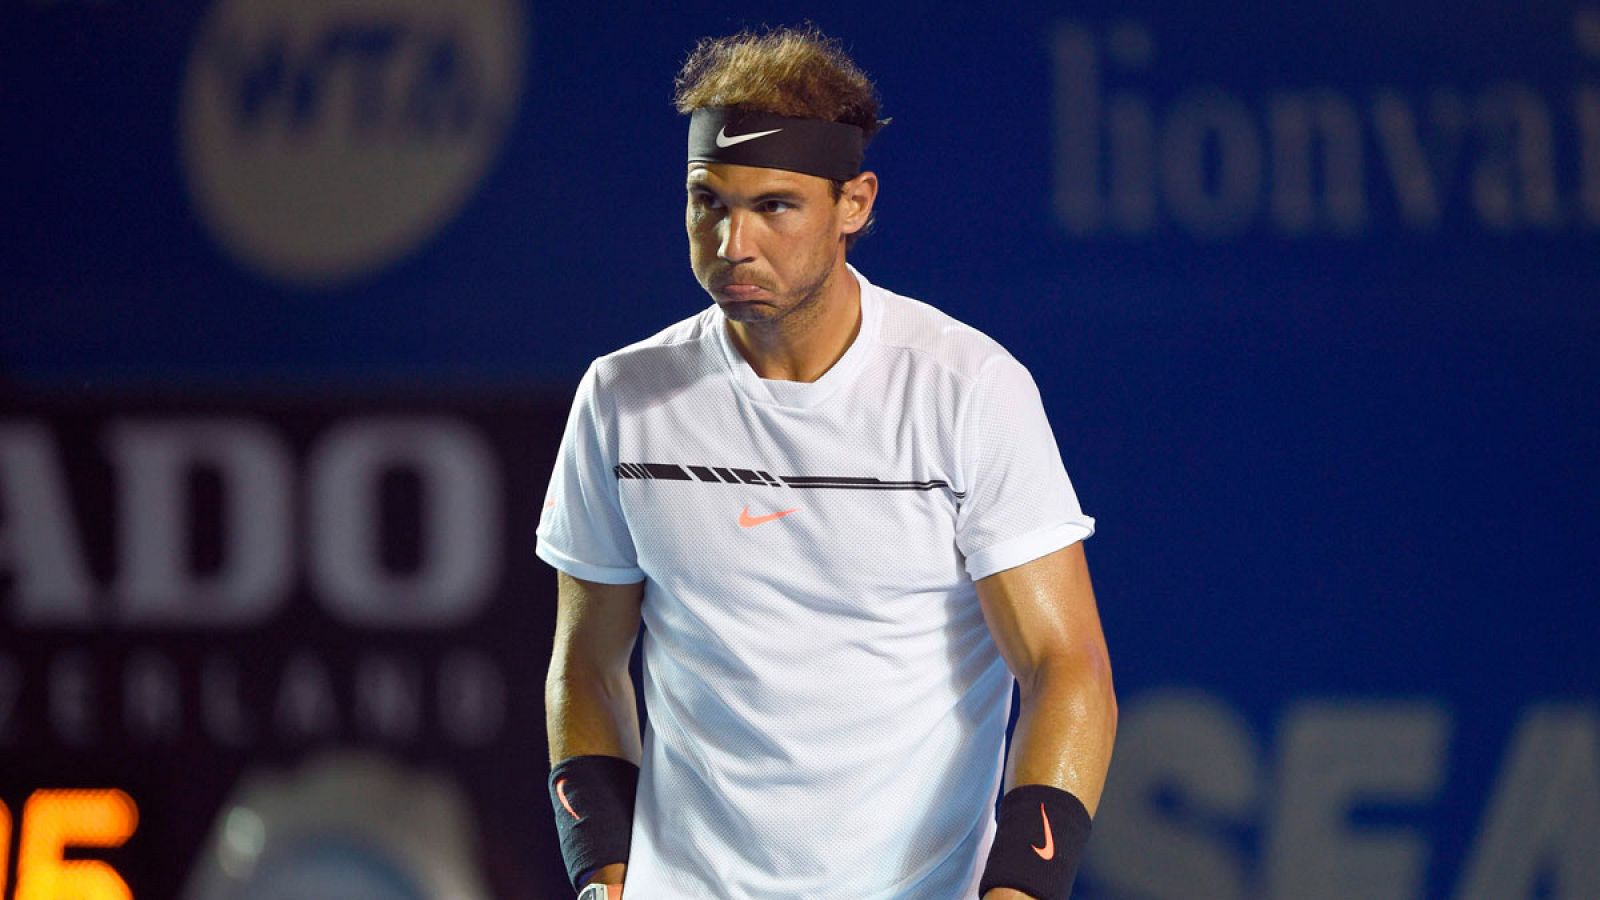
599, 891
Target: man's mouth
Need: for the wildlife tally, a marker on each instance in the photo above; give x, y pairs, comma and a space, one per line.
741, 290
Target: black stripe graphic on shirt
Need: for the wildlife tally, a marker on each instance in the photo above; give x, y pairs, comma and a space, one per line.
867, 484
814, 481
763, 478
652, 471
667, 471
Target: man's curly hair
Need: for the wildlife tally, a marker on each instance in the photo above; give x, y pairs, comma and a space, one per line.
788, 71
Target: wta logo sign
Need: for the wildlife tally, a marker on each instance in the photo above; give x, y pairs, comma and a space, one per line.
325, 139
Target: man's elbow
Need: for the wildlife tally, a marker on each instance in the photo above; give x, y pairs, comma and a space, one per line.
1081, 681
1108, 693
571, 676
1100, 675
1111, 709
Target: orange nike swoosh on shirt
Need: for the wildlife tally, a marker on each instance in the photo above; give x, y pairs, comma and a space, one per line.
1048, 851
748, 521
561, 793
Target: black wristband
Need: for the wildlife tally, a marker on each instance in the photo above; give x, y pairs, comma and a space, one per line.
1040, 837
593, 799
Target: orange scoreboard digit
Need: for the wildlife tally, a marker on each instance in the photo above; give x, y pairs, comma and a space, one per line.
54, 820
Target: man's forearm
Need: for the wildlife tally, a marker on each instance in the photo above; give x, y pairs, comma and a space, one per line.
1065, 730
588, 714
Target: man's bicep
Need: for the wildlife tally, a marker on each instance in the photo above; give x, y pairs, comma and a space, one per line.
1043, 613
596, 623
588, 694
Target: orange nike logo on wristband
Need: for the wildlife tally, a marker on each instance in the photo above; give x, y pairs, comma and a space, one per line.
1048, 851
561, 794
748, 521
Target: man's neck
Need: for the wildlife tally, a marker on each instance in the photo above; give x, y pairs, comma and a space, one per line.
804, 345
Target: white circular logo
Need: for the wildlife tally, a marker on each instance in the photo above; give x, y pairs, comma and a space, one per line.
324, 139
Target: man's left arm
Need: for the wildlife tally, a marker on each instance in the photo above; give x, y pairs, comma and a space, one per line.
1043, 618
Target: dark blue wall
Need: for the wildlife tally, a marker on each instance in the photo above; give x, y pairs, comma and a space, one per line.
1312, 293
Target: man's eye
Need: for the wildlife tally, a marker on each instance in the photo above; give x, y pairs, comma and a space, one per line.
706, 201
776, 206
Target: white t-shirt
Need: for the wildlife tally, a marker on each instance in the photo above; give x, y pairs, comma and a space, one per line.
826, 707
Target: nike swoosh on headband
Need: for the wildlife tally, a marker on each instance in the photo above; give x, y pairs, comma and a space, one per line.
724, 141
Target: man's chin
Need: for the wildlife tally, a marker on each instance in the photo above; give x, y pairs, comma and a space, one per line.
745, 311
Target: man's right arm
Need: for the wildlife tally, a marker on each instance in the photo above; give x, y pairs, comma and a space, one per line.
589, 699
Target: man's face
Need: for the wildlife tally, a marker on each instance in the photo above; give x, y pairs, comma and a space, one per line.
763, 242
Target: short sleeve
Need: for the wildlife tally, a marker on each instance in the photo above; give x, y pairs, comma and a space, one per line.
1019, 503
582, 530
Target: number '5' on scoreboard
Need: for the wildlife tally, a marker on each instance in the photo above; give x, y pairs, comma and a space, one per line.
52, 821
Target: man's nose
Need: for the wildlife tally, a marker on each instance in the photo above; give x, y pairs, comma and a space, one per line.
735, 245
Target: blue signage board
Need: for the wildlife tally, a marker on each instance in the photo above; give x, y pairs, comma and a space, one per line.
1312, 294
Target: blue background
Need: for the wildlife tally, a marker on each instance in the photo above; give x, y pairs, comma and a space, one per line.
1325, 465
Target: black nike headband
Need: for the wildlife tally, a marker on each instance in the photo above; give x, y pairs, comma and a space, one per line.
723, 134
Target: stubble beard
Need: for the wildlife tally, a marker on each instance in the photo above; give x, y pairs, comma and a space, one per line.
787, 315
797, 316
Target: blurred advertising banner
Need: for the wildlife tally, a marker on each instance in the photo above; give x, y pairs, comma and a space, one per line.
371, 188
1311, 292
295, 647
306, 635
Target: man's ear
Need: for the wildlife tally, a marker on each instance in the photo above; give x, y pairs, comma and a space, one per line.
856, 199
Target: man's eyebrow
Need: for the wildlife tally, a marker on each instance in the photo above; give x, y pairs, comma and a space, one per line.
786, 195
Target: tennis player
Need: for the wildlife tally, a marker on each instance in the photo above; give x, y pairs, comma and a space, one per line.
843, 520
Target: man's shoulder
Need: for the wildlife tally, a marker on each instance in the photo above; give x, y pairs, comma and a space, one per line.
685, 344
936, 337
